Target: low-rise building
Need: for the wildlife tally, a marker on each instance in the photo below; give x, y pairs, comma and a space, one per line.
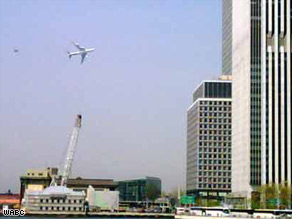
37, 179
102, 200
80, 184
139, 191
9, 200
54, 199
40, 179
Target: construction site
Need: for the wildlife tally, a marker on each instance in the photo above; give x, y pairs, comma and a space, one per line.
52, 191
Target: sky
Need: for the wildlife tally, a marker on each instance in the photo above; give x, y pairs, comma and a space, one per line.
132, 91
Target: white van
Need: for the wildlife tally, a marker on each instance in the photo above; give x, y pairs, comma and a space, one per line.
180, 211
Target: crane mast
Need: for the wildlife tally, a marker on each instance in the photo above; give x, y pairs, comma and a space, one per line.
71, 150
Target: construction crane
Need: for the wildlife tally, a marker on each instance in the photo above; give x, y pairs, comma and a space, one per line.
71, 150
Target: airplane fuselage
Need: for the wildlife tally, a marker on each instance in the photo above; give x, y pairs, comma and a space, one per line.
81, 52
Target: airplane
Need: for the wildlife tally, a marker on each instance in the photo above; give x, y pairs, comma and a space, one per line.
82, 51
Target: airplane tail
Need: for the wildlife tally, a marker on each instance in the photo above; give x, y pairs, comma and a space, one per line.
70, 55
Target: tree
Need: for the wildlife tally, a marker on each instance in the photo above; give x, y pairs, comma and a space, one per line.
285, 196
173, 194
213, 203
198, 201
274, 196
256, 200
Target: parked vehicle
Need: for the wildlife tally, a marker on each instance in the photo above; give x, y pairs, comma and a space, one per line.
180, 211
215, 212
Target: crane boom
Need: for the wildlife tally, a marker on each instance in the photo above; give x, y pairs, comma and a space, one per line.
71, 150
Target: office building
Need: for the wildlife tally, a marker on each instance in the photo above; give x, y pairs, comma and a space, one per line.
209, 140
140, 190
227, 37
261, 92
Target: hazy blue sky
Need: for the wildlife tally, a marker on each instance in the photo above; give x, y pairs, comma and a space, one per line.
133, 91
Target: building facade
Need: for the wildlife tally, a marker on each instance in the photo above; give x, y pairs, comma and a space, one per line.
40, 179
209, 141
227, 37
36, 179
54, 199
102, 200
140, 190
261, 74
80, 184
9, 200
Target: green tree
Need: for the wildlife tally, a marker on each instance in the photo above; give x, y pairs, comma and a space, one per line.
273, 196
285, 196
198, 202
255, 200
213, 203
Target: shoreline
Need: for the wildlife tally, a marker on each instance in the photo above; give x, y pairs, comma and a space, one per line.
99, 214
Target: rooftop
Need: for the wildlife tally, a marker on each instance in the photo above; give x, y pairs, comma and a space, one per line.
55, 190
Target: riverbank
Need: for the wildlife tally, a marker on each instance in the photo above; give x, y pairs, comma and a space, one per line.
205, 217
100, 214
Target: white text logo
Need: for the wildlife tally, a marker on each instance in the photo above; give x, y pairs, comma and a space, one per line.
13, 212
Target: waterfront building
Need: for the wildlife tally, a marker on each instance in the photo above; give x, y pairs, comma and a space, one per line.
54, 199
102, 200
139, 190
39, 179
80, 184
209, 140
9, 200
261, 92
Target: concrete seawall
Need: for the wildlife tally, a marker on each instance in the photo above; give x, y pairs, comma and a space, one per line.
99, 214
205, 217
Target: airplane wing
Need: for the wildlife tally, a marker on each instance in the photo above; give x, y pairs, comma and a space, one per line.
79, 47
83, 55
